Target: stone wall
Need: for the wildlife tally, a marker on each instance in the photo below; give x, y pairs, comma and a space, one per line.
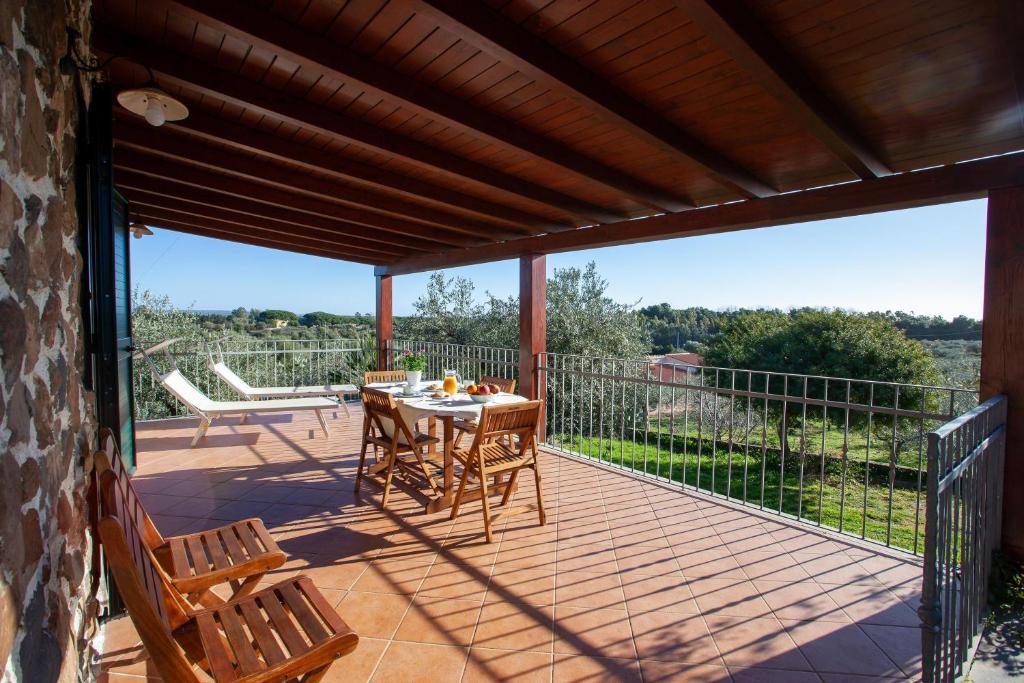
46, 415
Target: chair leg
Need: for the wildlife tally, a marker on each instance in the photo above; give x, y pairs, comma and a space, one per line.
323, 422
387, 479
540, 495
201, 431
510, 489
362, 464
244, 419
458, 495
344, 404
486, 504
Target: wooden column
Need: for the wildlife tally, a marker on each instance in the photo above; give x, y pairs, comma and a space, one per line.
385, 331
533, 328
1002, 348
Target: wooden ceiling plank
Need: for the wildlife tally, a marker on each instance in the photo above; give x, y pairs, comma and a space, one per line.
183, 70
734, 30
345, 167
144, 161
956, 182
184, 194
261, 194
168, 208
534, 56
196, 227
269, 32
184, 149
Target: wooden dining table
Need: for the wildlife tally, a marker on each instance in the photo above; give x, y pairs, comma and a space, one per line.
446, 410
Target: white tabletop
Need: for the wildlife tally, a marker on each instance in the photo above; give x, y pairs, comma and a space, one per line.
460, 406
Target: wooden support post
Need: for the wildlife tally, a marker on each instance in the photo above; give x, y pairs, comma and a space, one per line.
1002, 347
533, 328
384, 322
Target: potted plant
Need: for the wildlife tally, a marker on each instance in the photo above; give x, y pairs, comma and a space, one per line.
413, 364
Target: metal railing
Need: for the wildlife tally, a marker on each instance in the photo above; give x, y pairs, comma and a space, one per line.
844, 454
471, 362
962, 528
277, 362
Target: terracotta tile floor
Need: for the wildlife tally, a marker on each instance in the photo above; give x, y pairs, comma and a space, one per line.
628, 581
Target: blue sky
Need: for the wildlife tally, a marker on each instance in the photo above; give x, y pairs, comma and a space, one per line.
928, 260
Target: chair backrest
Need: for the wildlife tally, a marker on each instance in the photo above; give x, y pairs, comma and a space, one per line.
155, 607
382, 411
383, 376
107, 459
241, 387
510, 419
506, 385
186, 392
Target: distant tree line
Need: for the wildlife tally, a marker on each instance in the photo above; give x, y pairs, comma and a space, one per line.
686, 329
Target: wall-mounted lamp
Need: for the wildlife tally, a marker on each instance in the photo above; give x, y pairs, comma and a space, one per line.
147, 100
152, 103
139, 230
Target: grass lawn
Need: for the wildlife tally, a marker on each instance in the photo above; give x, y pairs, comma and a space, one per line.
763, 480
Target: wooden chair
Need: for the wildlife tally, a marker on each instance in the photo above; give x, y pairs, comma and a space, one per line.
238, 554
385, 428
284, 632
372, 376
507, 386
491, 455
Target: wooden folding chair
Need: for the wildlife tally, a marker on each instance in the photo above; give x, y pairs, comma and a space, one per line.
238, 554
285, 632
491, 455
385, 428
507, 386
373, 376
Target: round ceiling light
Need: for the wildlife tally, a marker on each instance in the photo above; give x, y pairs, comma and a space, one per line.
153, 104
139, 230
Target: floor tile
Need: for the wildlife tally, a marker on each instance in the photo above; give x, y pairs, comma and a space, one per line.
800, 601
583, 589
392, 576
730, 597
672, 637
448, 580
514, 626
760, 642
440, 620
681, 672
373, 615
530, 586
873, 605
501, 666
421, 663
593, 632
840, 648
658, 593
580, 669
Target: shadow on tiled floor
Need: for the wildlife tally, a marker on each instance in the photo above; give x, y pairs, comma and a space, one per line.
628, 580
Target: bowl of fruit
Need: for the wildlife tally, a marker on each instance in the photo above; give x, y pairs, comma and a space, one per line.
482, 393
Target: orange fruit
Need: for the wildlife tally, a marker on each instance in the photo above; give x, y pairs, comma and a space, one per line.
471, 389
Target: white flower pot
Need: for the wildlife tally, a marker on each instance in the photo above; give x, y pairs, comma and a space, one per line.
413, 377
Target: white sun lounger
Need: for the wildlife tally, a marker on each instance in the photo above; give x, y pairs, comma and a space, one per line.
207, 410
251, 393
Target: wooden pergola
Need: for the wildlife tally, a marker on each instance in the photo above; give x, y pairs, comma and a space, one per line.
421, 134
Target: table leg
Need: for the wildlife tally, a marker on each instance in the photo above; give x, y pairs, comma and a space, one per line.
444, 501
432, 431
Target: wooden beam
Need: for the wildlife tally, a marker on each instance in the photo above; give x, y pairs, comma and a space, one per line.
367, 205
1002, 361
197, 227
419, 235
957, 182
227, 86
183, 196
384, 322
477, 23
318, 54
532, 326
177, 209
736, 30
268, 145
